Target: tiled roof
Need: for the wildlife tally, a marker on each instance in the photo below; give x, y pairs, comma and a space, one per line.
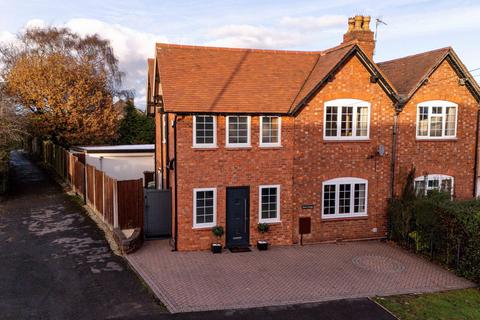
151, 66
407, 73
206, 79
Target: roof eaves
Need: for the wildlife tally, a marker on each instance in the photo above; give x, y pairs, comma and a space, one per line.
388, 87
471, 83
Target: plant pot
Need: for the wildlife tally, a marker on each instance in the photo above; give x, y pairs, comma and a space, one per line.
216, 247
262, 245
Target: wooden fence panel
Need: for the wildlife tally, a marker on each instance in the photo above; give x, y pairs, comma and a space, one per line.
130, 203
79, 178
70, 168
109, 187
99, 191
91, 185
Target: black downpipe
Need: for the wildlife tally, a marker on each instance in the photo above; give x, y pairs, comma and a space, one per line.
475, 168
167, 153
175, 180
155, 168
394, 152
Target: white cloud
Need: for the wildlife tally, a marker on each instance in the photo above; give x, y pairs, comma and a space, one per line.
6, 37
309, 22
35, 23
253, 37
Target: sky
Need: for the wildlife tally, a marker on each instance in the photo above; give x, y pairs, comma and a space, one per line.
133, 27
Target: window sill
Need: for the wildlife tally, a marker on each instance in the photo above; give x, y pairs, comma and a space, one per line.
271, 147
436, 139
203, 227
238, 147
347, 141
204, 147
271, 222
365, 217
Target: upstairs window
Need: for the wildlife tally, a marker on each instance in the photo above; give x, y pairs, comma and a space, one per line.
344, 197
430, 182
270, 129
436, 120
346, 119
238, 131
204, 131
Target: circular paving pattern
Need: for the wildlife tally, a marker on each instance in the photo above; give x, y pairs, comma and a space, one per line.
378, 264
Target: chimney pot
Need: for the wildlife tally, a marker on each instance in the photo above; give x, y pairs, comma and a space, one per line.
366, 23
351, 24
358, 23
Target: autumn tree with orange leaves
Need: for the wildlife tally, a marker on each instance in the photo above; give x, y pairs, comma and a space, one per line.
64, 84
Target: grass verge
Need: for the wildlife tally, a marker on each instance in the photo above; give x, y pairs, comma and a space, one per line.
451, 305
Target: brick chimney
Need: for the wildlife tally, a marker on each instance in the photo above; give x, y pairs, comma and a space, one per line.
359, 30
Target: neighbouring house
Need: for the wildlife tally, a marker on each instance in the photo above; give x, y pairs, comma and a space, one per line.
247, 136
120, 106
123, 162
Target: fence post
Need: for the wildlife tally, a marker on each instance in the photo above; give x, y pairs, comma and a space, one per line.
103, 197
115, 204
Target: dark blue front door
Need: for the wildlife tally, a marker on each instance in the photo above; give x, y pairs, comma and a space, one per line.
238, 217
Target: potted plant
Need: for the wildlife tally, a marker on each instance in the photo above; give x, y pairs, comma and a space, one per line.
218, 232
262, 244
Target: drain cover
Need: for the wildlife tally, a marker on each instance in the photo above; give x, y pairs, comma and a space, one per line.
378, 264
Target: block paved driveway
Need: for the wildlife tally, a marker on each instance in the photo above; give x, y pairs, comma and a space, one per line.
196, 281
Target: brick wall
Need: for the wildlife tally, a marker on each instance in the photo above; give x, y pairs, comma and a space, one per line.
454, 157
222, 168
317, 160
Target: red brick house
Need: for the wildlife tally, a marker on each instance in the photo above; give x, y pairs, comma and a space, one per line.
247, 136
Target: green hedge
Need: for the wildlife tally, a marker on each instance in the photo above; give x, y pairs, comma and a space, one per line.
446, 230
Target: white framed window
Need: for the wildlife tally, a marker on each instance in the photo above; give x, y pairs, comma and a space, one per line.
270, 131
344, 197
204, 207
346, 119
269, 203
238, 131
437, 119
440, 182
204, 131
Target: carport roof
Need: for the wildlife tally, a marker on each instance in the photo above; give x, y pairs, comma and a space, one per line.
134, 148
